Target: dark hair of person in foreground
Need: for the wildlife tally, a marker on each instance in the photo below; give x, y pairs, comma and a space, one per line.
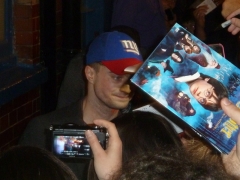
142, 132
170, 164
32, 163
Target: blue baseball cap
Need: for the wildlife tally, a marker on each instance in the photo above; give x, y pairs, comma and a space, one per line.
115, 50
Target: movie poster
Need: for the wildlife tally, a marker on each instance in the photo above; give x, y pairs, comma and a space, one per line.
189, 78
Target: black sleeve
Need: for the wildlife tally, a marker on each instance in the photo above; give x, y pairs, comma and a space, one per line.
36, 133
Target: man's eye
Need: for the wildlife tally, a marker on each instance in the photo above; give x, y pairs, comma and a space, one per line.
117, 78
120, 78
202, 100
208, 93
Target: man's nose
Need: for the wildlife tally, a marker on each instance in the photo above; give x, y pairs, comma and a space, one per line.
125, 88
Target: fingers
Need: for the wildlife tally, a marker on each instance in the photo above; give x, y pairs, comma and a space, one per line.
114, 148
94, 143
200, 12
234, 13
113, 138
234, 28
109, 126
106, 162
236, 22
231, 110
238, 147
114, 141
202, 8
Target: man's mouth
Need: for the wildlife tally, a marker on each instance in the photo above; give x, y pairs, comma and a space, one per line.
194, 91
122, 96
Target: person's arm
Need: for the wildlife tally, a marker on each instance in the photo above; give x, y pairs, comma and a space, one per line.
231, 161
35, 133
109, 161
199, 16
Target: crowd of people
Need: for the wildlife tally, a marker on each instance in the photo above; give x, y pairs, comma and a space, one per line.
140, 145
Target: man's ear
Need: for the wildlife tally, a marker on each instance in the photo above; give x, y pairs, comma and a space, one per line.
90, 73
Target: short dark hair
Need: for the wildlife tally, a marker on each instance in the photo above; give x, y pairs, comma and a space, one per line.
141, 132
95, 66
144, 131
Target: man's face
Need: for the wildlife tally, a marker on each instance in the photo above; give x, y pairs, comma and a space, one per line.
111, 89
212, 63
203, 92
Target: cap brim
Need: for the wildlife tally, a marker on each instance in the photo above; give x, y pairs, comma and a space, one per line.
123, 66
132, 69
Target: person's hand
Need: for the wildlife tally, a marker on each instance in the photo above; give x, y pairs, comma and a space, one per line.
199, 15
231, 161
229, 6
109, 161
234, 28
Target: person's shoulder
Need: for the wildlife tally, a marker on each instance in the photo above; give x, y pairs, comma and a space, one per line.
36, 128
62, 115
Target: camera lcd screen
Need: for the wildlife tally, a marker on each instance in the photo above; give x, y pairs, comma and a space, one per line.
71, 146
72, 143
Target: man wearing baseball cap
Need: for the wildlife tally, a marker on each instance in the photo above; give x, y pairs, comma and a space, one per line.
111, 59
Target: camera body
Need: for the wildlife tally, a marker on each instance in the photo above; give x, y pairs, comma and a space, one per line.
69, 141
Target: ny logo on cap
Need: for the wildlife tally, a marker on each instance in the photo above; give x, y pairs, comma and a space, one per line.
130, 46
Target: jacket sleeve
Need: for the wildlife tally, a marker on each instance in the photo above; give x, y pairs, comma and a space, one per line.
36, 133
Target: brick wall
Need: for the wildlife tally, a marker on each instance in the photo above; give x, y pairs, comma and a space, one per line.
27, 31
60, 63
15, 115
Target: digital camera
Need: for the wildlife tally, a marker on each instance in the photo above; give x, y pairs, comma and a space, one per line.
69, 141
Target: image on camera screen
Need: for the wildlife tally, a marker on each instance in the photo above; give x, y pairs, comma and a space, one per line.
71, 146
69, 142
